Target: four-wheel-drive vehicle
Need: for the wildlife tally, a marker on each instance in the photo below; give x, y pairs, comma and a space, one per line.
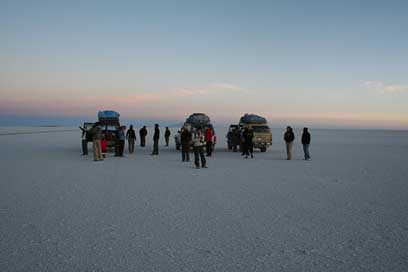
230, 135
194, 121
259, 125
109, 123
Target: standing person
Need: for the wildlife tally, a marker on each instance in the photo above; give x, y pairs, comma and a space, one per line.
209, 140
185, 140
143, 134
131, 137
156, 137
242, 142
104, 146
177, 139
198, 141
235, 140
167, 134
248, 136
122, 138
120, 146
84, 141
289, 138
97, 149
306, 138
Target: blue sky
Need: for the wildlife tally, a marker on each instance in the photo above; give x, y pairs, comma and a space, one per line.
314, 62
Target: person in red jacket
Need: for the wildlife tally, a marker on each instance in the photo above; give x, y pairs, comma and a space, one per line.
104, 146
209, 135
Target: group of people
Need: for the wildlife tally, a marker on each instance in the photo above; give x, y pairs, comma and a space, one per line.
196, 139
100, 141
289, 138
244, 140
131, 137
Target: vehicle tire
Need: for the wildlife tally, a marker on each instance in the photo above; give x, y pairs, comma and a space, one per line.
263, 149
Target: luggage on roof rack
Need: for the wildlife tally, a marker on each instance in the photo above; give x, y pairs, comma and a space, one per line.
198, 118
108, 115
252, 119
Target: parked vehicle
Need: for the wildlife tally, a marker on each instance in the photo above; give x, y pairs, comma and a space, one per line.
109, 123
259, 125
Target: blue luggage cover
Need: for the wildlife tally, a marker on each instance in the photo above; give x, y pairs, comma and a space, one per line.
108, 114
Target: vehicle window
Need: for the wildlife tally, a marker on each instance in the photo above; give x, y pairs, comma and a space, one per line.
112, 128
88, 125
260, 128
108, 127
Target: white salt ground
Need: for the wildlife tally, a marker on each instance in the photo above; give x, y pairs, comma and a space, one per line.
346, 210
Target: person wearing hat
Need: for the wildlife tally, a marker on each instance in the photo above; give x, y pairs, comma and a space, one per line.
289, 138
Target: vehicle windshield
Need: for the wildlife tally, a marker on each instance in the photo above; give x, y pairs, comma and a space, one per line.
108, 128
260, 129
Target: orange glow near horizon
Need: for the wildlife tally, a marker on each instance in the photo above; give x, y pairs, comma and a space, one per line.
177, 104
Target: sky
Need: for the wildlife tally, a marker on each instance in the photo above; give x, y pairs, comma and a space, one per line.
306, 63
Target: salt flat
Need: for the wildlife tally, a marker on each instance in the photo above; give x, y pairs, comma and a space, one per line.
346, 210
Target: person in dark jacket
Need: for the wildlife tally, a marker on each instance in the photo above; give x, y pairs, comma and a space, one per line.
167, 134
131, 137
306, 138
84, 141
241, 142
120, 142
236, 141
248, 145
185, 141
156, 137
289, 139
143, 134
